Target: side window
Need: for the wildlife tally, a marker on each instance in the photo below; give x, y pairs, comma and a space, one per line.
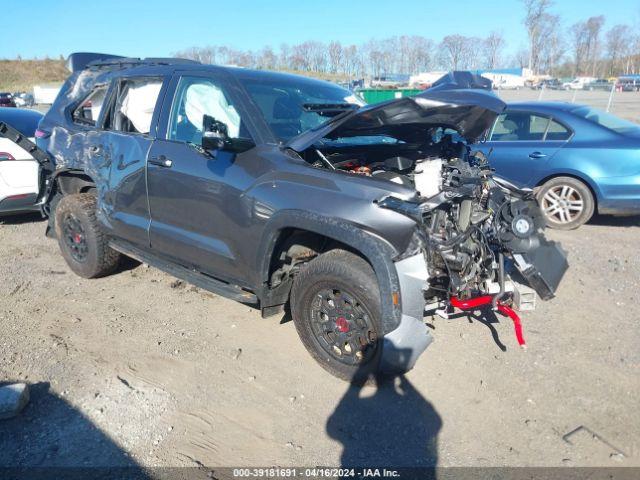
194, 98
88, 111
514, 126
132, 108
557, 131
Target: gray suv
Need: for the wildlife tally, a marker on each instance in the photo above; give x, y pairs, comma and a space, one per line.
282, 192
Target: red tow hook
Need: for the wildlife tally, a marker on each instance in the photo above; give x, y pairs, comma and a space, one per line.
484, 300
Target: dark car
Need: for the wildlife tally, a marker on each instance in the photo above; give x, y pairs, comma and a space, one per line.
549, 84
23, 99
629, 83
599, 84
6, 100
581, 160
275, 189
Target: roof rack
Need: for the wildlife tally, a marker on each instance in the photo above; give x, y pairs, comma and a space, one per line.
82, 60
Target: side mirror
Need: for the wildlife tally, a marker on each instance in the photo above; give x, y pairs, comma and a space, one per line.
215, 135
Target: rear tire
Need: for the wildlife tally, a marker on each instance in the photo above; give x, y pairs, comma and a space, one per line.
82, 243
335, 304
566, 203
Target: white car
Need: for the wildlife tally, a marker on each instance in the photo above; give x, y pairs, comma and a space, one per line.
19, 170
577, 83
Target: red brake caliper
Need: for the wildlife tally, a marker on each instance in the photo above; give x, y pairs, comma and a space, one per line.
485, 300
342, 324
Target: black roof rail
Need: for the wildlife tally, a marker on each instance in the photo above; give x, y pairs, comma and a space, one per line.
82, 60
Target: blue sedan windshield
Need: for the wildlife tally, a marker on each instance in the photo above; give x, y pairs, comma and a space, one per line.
606, 119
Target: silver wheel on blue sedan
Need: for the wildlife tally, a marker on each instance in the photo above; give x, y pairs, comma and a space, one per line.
566, 203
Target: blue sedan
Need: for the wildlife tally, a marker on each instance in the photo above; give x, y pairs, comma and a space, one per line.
580, 160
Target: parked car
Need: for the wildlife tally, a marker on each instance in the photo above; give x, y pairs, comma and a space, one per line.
630, 83
23, 99
599, 84
581, 160
19, 171
577, 83
6, 100
549, 84
276, 189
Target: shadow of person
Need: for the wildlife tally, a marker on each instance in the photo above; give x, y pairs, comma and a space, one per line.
387, 425
51, 439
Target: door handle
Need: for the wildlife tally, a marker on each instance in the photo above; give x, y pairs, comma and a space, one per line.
161, 161
537, 155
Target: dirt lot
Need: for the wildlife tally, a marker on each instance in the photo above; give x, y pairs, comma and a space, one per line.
139, 368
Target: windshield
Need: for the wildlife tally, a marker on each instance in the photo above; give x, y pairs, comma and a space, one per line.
293, 106
605, 119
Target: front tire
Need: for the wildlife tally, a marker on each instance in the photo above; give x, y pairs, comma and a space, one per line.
82, 243
566, 203
335, 304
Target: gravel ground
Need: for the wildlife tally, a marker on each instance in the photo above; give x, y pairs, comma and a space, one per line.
138, 368
623, 104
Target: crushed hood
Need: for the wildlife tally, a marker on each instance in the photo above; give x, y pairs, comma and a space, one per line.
458, 100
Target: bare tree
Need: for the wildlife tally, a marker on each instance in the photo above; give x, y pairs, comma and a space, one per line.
552, 47
350, 60
335, 56
593, 28
535, 16
284, 57
420, 55
521, 58
492, 48
199, 54
454, 51
618, 43
267, 59
375, 57
580, 46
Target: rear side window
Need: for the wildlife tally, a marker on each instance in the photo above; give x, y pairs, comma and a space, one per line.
522, 126
556, 131
88, 111
132, 107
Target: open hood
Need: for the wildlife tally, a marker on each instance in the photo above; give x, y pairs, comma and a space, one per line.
450, 103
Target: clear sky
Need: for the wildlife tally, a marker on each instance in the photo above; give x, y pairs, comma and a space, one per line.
161, 27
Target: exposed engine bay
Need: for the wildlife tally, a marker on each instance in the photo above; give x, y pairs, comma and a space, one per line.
474, 228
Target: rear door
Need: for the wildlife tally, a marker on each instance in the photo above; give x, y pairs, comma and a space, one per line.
521, 143
121, 147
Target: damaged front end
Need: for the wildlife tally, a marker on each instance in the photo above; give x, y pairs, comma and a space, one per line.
473, 230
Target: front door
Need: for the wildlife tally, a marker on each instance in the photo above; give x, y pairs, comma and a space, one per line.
195, 197
521, 144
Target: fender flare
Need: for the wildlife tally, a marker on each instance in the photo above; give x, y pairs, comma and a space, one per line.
377, 251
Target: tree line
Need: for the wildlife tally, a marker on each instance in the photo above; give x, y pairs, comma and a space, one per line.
587, 48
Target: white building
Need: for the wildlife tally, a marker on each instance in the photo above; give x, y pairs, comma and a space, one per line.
46, 93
